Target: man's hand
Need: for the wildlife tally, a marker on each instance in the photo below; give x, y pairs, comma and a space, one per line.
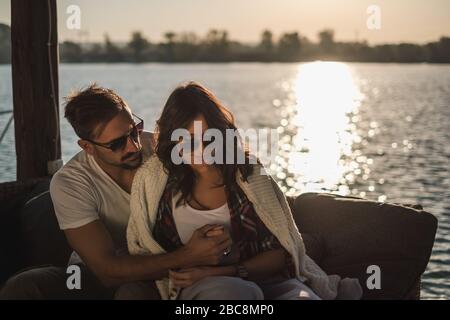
207, 245
96, 247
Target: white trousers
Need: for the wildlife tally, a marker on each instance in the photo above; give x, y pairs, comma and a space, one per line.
233, 288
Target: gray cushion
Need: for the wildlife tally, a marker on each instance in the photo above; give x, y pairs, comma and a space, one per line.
357, 233
43, 241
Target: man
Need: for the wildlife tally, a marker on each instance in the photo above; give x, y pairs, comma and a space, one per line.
91, 195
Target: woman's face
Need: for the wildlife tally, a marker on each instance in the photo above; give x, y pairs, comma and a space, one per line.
197, 163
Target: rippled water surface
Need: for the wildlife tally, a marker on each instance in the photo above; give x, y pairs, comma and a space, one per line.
379, 131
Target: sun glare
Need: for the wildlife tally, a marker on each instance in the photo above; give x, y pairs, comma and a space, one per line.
319, 132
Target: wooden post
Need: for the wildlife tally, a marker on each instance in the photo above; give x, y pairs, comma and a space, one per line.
34, 62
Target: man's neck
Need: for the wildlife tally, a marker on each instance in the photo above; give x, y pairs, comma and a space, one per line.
123, 177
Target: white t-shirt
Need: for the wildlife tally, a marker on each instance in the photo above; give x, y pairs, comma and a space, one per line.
82, 192
188, 219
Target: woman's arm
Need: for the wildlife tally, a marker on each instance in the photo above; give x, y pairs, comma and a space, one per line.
266, 264
259, 267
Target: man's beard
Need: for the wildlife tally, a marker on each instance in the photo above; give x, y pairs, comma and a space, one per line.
136, 162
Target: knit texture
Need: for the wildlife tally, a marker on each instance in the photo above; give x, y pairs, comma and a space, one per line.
268, 201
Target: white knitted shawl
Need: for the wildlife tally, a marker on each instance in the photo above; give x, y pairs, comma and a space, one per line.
268, 200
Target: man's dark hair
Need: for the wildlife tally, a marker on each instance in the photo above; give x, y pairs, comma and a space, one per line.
89, 110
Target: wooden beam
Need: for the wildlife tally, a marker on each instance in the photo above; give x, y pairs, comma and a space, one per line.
35, 86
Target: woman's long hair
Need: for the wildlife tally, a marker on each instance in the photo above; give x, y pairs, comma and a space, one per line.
183, 106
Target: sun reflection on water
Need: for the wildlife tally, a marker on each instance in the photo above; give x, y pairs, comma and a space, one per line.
318, 130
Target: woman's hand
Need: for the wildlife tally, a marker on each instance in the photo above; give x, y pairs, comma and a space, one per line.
215, 231
187, 277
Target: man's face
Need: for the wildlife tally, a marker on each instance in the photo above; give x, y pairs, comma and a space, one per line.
130, 156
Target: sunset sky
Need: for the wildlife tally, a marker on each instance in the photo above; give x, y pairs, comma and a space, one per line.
402, 20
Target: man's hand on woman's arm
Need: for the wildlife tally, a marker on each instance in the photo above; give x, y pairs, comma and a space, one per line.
94, 245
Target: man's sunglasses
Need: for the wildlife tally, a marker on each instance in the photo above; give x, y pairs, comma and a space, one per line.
121, 142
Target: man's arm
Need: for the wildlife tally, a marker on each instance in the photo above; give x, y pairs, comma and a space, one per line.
95, 246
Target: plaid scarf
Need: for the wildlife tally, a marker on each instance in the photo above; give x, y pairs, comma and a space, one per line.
248, 232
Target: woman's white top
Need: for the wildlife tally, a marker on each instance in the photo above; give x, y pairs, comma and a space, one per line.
188, 219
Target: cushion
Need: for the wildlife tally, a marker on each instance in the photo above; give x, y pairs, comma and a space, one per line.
43, 241
314, 243
315, 246
11, 253
357, 233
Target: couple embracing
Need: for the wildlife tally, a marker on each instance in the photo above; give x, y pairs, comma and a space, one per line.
143, 226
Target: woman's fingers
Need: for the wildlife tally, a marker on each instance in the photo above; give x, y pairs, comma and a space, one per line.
226, 245
181, 279
207, 227
181, 284
179, 275
225, 236
214, 232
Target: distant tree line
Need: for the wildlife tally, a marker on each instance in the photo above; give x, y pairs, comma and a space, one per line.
217, 46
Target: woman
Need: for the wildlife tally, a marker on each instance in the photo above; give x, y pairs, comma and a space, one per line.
170, 201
